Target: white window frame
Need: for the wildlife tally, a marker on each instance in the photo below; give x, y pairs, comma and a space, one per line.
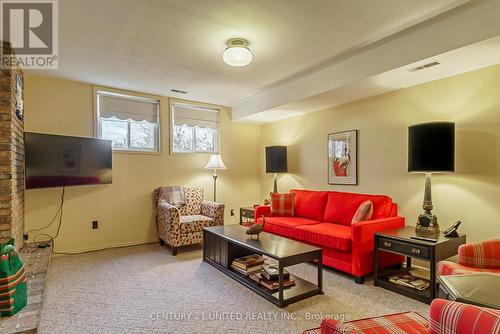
135, 97
200, 106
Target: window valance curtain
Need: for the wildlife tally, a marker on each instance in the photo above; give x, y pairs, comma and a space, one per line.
128, 108
196, 116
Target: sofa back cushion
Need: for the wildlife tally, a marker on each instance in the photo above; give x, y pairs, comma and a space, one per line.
310, 204
341, 207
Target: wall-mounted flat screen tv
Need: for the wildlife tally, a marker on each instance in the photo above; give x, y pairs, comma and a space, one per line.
60, 161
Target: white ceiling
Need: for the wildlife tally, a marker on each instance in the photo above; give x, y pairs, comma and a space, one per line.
465, 59
462, 39
158, 45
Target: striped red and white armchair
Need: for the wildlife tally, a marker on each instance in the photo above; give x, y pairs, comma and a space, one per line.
474, 257
446, 317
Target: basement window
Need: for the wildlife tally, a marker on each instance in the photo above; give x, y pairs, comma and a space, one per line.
195, 129
130, 122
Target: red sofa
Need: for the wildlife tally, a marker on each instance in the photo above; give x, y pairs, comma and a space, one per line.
323, 218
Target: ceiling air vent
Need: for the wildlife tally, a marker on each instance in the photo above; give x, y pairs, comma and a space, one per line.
423, 67
178, 91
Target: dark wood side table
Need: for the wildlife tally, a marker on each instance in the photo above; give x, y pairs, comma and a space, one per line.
479, 289
246, 215
399, 241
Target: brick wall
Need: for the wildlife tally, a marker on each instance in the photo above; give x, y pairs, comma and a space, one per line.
11, 158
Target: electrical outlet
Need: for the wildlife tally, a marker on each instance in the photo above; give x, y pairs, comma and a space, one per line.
232, 212
95, 224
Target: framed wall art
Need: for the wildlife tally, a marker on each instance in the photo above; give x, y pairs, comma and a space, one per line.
343, 158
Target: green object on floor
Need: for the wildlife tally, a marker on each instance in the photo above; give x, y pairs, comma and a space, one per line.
13, 289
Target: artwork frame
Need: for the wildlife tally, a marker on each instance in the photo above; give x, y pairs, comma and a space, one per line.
342, 154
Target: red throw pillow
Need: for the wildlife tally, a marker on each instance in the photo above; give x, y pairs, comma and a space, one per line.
364, 212
282, 204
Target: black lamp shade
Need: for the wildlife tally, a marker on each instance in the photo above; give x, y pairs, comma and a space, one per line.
276, 159
431, 147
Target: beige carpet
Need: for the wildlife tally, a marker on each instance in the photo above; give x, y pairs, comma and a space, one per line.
144, 289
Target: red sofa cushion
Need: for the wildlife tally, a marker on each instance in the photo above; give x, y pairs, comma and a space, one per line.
325, 234
310, 204
284, 226
341, 207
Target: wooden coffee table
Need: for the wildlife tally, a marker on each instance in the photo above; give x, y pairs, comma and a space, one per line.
223, 244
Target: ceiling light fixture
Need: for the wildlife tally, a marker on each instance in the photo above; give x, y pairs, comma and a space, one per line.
237, 52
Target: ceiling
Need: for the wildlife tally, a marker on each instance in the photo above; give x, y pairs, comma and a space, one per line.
308, 55
469, 58
158, 45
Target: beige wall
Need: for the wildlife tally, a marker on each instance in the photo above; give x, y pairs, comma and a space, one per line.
472, 194
125, 208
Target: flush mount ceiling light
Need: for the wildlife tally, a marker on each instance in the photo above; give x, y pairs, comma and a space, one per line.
237, 52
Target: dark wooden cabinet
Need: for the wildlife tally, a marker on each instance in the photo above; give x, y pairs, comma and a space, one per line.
400, 241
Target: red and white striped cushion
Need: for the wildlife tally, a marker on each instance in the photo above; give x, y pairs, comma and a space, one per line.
452, 268
447, 317
282, 204
401, 323
484, 255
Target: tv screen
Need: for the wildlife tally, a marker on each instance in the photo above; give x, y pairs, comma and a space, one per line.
58, 161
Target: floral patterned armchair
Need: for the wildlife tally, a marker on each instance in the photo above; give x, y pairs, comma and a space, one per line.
184, 226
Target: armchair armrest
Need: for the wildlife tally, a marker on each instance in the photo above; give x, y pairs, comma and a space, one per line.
329, 326
167, 220
261, 210
363, 244
213, 210
482, 255
453, 317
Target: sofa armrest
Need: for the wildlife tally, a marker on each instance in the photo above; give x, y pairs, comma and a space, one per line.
363, 232
213, 210
362, 235
261, 210
453, 317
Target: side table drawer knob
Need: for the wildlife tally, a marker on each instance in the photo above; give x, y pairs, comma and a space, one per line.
415, 250
387, 244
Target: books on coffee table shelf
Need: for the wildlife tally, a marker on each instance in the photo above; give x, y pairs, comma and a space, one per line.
272, 285
249, 264
254, 266
271, 273
409, 281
